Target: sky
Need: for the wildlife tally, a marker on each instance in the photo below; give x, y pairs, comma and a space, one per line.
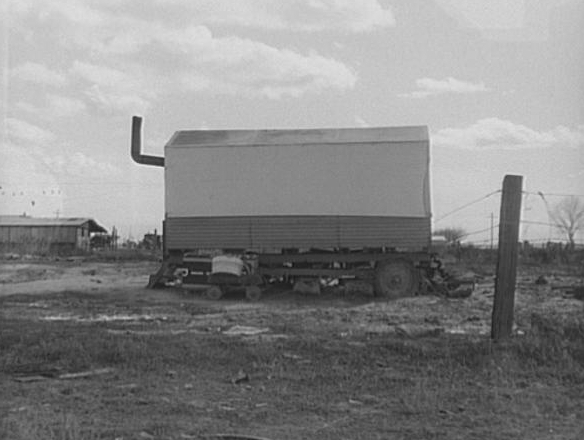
499, 83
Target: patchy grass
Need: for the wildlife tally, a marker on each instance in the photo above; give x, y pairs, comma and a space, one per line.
122, 254
43, 423
312, 384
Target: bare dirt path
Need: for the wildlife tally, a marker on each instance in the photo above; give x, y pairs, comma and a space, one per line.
42, 277
114, 281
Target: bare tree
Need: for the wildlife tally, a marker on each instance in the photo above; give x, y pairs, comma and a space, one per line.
452, 234
568, 216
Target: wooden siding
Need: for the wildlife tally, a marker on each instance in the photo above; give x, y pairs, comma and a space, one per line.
49, 234
275, 232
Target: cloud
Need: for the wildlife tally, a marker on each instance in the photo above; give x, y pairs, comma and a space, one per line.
355, 16
19, 131
39, 74
494, 14
136, 57
18, 194
57, 106
203, 62
112, 89
494, 133
238, 65
21, 155
259, 69
102, 75
117, 100
432, 87
503, 20
79, 11
81, 165
350, 15
40, 147
62, 106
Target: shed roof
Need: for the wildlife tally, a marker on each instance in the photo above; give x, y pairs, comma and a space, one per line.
209, 138
19, 220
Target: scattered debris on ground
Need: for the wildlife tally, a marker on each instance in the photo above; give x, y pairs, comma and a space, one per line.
128, 363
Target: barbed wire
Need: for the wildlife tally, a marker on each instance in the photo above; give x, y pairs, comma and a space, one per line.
540, 193
44, 186
531, 222
480, 231
487, 240
466, 205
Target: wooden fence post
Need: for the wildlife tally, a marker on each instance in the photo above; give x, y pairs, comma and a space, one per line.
502, 319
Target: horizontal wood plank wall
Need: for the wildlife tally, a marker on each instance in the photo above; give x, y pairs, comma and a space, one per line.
273, 232
50, 234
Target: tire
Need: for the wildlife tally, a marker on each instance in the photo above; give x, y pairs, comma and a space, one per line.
253, 293
214, 293
396, 279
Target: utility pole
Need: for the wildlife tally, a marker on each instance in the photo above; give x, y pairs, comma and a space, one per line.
549, 214
492, 223
114, 239
502, 318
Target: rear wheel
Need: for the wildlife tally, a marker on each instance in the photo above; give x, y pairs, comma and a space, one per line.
253, 293
214, 292
396, 279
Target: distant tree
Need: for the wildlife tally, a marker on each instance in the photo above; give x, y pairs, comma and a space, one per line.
568, 216
452, 235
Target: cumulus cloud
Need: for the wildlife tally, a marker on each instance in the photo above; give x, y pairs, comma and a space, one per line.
136, 58
20, 152
39, 147
81, 165
103, 75
19, 131
62, 106
39, 74
239, 65
117, 100
494, 133
432, 87
112, 89
355, 16
257, 68
30, 156
16, 197
204, 62
79, 11
505, 20
57, 106
350, 15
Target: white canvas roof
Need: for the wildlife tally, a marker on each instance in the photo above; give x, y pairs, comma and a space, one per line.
357, 171
208, 138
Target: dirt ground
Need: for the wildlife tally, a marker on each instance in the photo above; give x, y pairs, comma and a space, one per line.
88, 353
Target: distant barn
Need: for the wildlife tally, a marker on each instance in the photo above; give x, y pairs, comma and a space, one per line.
52, 235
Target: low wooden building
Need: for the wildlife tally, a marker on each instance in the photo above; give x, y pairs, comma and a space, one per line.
34, 235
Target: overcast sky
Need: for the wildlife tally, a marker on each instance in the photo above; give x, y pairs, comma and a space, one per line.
499, 83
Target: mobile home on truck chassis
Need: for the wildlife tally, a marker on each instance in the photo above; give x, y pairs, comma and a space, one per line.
244, 208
